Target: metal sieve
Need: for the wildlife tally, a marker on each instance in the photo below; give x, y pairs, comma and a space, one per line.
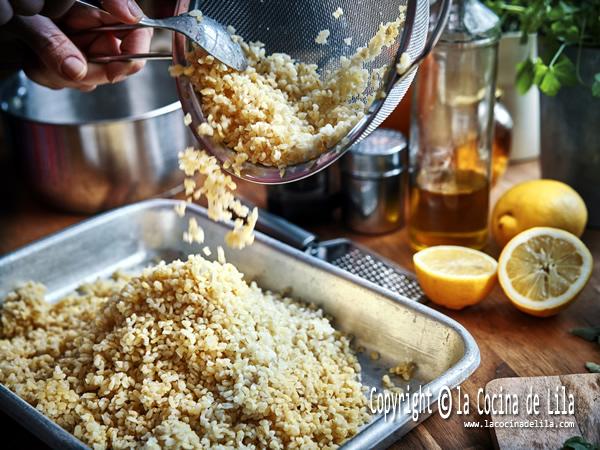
291, 27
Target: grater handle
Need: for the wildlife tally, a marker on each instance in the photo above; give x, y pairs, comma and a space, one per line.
284, 231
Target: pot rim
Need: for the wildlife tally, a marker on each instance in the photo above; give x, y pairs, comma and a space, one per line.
157, 112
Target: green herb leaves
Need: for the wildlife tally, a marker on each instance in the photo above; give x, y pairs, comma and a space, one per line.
525, 75
562, 24
550, 78
578, 443
592, 367
591, 334
546, 79
596, 85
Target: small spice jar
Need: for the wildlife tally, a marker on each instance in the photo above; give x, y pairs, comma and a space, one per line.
374, 183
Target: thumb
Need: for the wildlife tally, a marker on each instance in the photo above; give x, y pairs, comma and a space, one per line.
126, 11
53, 47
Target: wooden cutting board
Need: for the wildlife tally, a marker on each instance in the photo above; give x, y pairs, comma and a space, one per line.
554, 395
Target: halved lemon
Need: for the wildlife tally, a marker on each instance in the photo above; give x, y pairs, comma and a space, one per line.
453, 276
541, 270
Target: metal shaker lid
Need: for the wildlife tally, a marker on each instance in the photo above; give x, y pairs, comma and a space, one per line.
380, 154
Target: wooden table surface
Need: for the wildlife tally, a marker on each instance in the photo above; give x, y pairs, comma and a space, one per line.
511, 343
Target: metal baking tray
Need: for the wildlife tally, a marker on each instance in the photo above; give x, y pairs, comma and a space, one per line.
141, 234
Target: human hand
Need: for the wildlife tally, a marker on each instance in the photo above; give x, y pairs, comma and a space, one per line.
52, 8
59, 49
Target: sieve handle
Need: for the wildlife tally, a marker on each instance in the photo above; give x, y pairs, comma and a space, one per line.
433, 38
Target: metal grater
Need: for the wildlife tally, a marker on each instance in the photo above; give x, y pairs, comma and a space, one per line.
358, 260
346, 255
374, 269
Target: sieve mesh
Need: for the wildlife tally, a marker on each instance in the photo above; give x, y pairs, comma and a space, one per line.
291, 27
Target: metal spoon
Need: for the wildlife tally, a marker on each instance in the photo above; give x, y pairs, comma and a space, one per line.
207, 33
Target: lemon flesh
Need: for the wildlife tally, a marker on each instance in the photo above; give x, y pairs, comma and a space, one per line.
543, 269
454, 276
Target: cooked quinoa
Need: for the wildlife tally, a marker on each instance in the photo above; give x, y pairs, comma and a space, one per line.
404, 370
390, 386
197, 14
185, 355
403, 64
218, 188
277, 112
322, 37
280, 111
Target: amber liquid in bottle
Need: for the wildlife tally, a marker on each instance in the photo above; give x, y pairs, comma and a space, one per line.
451, 132
450, 211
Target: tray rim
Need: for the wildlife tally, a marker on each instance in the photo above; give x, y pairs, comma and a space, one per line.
378, 434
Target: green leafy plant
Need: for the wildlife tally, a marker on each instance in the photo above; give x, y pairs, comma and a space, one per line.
563, 24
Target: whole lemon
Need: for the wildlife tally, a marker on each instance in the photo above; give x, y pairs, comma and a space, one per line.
538, 203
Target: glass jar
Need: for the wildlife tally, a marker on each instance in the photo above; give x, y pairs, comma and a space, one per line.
451, 132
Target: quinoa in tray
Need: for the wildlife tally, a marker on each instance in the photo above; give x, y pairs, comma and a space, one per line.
185, 355
188, 354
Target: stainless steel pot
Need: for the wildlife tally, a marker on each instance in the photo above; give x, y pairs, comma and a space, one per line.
87, 152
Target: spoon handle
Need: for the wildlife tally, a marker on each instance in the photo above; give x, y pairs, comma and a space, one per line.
91, 3
129, 57
119, 27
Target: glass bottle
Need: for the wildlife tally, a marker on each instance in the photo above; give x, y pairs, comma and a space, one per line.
451, 132
502, 140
